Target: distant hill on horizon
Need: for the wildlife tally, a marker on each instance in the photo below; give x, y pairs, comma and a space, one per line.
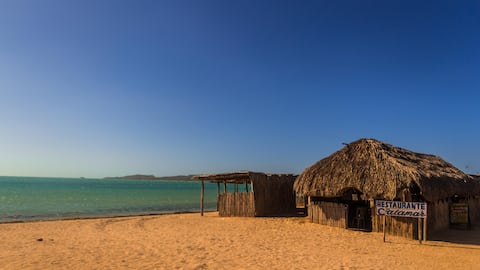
152, 177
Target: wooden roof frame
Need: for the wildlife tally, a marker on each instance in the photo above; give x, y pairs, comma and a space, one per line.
233, 178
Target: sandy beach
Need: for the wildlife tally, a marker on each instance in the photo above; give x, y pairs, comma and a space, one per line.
189, 241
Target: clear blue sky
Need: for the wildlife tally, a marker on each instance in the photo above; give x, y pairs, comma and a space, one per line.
102, 88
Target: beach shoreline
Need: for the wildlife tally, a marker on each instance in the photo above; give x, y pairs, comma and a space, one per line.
53, 219
189, 241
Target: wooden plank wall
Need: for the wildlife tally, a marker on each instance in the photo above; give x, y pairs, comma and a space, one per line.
259, 192
404, 227
438, 216
334, 214
236, 204
274, 194
328, 213
437, 220
474, 208
439, 213
398, 226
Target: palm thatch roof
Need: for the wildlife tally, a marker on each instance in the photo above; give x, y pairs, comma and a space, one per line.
380, 170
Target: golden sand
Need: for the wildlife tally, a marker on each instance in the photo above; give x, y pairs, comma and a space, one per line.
188, 241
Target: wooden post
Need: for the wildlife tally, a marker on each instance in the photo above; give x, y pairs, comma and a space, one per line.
425, 229
384, 227
236, 187
305, 205
218, 193
224, 186
345, 216
311, 208
201, 198
419, 230
246, 186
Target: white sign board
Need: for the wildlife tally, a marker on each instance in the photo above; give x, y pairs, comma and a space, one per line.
401, 209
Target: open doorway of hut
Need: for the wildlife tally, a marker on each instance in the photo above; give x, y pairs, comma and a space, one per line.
359, 216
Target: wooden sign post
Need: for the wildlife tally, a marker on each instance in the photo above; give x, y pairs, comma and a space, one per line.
425, 229
419, 230
404, 209
384, 225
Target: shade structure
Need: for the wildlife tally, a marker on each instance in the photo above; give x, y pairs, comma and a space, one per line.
264, 195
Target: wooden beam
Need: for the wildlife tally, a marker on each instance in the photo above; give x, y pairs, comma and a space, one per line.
241, 176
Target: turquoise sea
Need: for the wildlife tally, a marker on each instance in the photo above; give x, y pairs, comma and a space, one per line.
35, 198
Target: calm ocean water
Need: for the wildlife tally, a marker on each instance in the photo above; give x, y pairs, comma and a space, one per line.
32, 198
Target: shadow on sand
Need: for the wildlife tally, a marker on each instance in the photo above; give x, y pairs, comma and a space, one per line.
299, 212
459, 235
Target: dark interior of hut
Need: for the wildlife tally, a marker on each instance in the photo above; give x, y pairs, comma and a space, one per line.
359, 212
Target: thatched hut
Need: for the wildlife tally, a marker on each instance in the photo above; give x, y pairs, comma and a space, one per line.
253, 194
342, 187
